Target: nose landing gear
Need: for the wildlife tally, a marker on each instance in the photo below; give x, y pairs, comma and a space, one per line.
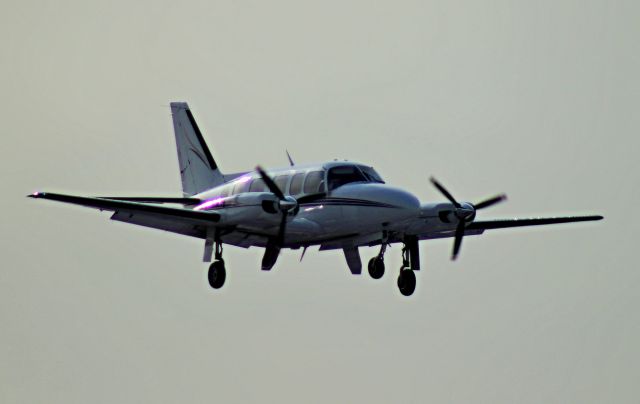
376, 264
376, 267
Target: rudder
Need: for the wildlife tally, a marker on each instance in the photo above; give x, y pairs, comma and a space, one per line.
198, 169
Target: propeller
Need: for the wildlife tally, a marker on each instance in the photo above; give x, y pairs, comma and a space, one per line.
465, 213
286, 204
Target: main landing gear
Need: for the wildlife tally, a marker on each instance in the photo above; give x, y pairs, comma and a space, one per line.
217, 272
407, 276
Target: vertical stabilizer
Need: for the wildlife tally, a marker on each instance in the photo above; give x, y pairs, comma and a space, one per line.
198, 169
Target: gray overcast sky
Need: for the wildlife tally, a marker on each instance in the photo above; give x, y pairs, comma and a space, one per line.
538, 99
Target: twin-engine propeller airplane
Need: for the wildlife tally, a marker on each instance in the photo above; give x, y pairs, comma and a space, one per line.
336, 205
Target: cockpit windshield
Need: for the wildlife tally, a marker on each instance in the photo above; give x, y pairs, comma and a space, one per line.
371, 174
341, 175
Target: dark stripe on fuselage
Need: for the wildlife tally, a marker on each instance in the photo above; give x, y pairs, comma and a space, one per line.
349, 202
326, 201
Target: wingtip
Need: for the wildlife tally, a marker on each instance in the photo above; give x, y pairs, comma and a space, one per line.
35, 194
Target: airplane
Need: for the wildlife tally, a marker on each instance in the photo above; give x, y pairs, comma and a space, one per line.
334, 205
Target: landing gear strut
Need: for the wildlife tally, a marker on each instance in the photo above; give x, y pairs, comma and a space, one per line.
376, 264
407, 277
217, 272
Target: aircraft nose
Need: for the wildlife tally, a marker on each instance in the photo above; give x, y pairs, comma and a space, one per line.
396, 197
404, 199
380, 195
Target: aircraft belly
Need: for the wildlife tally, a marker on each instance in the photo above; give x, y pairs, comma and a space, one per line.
365, 219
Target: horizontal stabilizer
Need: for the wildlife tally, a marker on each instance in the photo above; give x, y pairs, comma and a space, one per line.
507, 223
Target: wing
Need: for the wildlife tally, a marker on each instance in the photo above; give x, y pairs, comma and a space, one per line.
154, 199
433, 228
507, 223
177, 220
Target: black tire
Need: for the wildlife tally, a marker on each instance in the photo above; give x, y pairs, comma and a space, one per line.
217, 274
400, 279
407, 282
376, 267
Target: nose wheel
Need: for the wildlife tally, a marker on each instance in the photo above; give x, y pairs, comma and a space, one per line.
376, 264
376, 267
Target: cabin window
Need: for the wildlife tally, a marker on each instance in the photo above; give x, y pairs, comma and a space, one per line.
341, 175
281, 182
314, 182
296, 184
257, 186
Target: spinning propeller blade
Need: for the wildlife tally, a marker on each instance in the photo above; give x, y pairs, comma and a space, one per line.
281, 230
444, 192
465, 214
457, 241
269, 183
286, 204
490, 202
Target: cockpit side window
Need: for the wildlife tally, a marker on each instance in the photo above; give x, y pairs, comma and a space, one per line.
371, 174
314, 182
341, 175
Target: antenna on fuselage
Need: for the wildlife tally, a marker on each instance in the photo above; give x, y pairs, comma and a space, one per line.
290, 159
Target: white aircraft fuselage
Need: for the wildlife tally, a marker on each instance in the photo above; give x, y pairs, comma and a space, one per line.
359, 207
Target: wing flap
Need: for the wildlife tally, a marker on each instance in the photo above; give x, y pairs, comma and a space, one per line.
155, 221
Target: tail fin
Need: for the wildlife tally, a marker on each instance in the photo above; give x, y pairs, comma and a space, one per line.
198, 169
